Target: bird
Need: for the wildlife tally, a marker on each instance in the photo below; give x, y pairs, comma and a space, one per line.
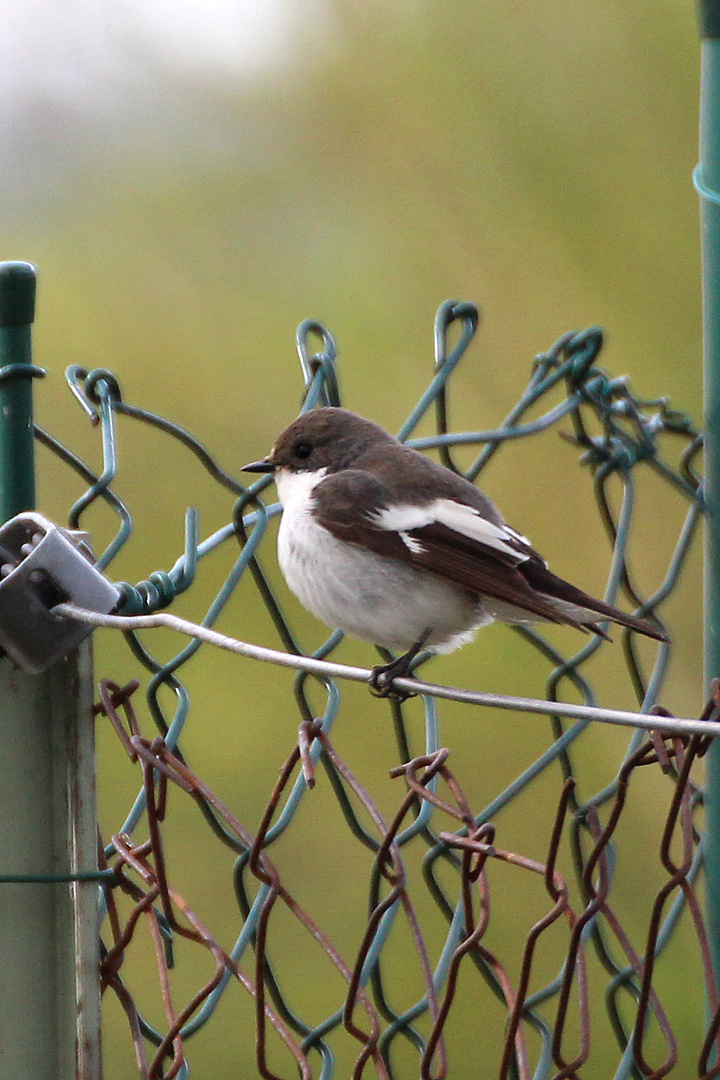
385, 544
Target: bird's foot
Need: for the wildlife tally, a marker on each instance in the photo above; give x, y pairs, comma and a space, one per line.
381, 680
382, 677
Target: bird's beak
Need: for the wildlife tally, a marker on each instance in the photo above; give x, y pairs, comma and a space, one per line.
265, 465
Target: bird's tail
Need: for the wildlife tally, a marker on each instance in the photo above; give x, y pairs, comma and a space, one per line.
583, 609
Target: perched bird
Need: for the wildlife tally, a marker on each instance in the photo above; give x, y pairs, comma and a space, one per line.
388, 545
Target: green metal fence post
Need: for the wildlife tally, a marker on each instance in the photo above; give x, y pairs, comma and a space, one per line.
708, 183
17, 445
49, 992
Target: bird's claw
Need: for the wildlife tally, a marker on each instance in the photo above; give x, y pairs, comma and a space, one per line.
381, 681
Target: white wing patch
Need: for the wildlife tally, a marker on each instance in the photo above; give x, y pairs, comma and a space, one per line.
412, 543
459, 517
517, 536
401, 518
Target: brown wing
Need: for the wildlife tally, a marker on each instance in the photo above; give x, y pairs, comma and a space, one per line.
348, 503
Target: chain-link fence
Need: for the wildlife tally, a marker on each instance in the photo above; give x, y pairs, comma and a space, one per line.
519, 902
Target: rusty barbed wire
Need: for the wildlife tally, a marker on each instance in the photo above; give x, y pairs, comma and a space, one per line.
141, 875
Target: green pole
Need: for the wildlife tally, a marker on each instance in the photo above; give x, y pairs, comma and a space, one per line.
17, 449
49, 982
707, 179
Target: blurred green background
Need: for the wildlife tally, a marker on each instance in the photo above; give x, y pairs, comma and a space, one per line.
192, 181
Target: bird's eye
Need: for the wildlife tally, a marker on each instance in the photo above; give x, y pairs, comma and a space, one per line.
303, 450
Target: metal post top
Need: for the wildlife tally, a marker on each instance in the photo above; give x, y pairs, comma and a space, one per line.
709, 18
17, 293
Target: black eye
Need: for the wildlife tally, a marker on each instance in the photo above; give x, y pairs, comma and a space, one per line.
303, 450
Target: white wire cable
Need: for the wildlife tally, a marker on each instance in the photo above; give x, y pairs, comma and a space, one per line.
673, 725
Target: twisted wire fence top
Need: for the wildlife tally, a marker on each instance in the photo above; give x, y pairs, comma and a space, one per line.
399, 996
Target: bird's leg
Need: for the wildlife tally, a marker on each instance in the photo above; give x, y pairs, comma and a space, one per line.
381, 679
